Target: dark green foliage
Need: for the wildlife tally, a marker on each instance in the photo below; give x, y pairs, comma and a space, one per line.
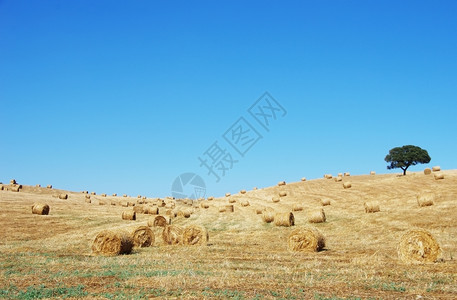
406, 156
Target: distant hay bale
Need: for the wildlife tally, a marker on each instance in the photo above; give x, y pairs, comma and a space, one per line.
268, 216
139, 209
170, 205
255, 188
113, 203
151, 210
436, 168
93, 193
210, 198
63, 196
1, 187
425, 199
49, 186
171, 213
328, 176
338, 179
40, 209
125, 195
87, 199
128, 215
438, 176
284, 219
303, 179
124, 204
306, 239
281, 183
13, 181
347, 185
130, 203
372, 173
143, 237
275, 199
195, 235
159, 221
297, 207
317, 216
114, 195
371, 206
282, 193
38, 185
139, 196
418, 246
205, 204
229, 208
14, 188
144, 198
227, 194
101, 202
427, 171
222, 209
231, 200
259, 210
340, 175
347, 174
244, 202
103, 195
325, 202
112, 243
186, 213
243, 191
172, 235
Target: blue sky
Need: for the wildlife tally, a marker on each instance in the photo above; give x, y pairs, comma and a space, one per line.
124, 96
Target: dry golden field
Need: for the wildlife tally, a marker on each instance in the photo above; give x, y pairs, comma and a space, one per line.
50, 256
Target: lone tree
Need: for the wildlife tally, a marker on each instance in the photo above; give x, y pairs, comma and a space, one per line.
406, 156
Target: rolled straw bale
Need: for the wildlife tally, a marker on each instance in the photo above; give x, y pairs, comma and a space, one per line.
195, 235
139, 209
125, 195
328, 176
128, 215
40, 209
160, 221
347, 185
172, 235
347, 174
243, 191
317, 216
222, 209
268, 216
186, 213
436, 168
93, 193
13, 181
139, 196
227, 194
425, 199
143, 237
338, 179
130, 203
144, 197
281, 183
14, 188
205, 204
372, 173
101, 202
244, 202
282, 193
210, 198
438, 176
140, 201
371, 206
284, 219
63, 196
114, 195
275, 199
49, 186
255, 188
306, 239
103, 195
229, 208
38, 185
418, 246
427, 171
171, 213
303, 179
231, 200
340, 175
297, 207
170, 205
151, 210
85, 192
112, 243
113, 203
325, 202
124, 204
1, 187
259, 210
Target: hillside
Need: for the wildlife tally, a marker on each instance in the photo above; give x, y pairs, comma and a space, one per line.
50, 256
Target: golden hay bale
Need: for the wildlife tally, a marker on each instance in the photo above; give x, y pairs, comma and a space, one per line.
231, 200
425, 199
418, 246
306, 239
438, 176
171, 213
114, 195
244, 203
297, 207
38, 185
13, 181
227, 194
113, 203
372, 173
101, 202
125, 195
63, 196
139, 209
255, 188
328, 176
284, 219
144, 197
436, 169
128, 215
124, 204
160, 221
139, 196
151, 210
371, 206
186, 213
93, 193
14, 188
143, 237
317, 216
281, 183
172, 235
347, 185
195, 235
40, 209
347, 174
338, 179
325, 202
49, 186
268, 216
130, 203
103, 195
161, 203
210, 198
303, 179
222, 209
112, 243
229, 208
340, 175
170, 205
427, 171
275, 199
259, 210
1, 187
205, 204
282, 193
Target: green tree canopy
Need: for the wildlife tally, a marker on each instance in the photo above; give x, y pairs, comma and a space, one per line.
406, 156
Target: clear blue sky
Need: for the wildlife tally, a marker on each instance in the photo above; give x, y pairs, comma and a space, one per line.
124, 96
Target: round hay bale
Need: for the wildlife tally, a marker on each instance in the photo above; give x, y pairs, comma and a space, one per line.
317, 216
340, 175
101, 202
139, 196
1, 187
325, 202
143, 237
436, 168
425, 199
139, 209
372, 173
151, 210
259, 210
128, 215
171, 213
112, 243
297, 207
195, 235
243, 191
231, 200
210, 198
418, 246
93, 193
38, 185
186, 213
205, 204
244, 203
14, 188
284, 219
172, 235
227, 194
103, 195
85, 192
282, 193
303, 179
13, 181
275, 199
87, 200
40, 209
371, 206
347, 185
49, 186
170, 205
114, 195
160, 221
222, 209
328, 176
438, 176
427, 171
255, 188
281, 183
130, 203
63, 196
338, 179
268, 215
347, 174
125, 195
306, 239
124, 204
229, 208
113, 203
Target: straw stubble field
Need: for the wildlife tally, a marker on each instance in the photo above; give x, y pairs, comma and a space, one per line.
50, 256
